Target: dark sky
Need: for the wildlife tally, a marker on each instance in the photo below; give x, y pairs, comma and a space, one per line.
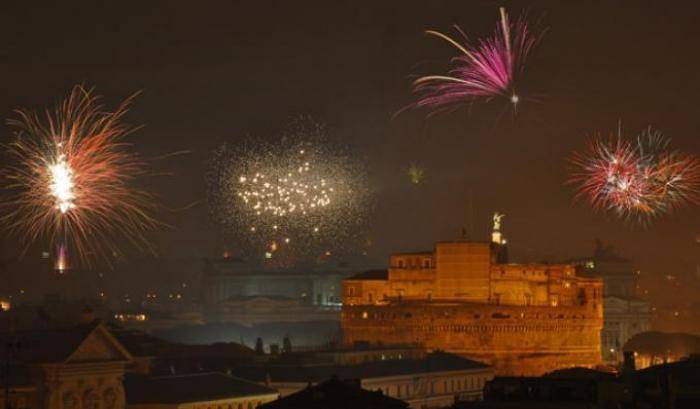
214, 71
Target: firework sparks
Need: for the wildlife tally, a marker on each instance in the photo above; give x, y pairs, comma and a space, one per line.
295, 197
416, 174
69, 181
484, 70
637, 180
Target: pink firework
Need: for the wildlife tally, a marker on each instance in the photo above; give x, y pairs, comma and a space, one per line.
638, 180
485, 70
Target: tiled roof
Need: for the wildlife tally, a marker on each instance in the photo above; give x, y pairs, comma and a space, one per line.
314, 372
189, 388
139, 343
336, 394
46, 345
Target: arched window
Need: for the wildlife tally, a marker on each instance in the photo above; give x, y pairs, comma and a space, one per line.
91, 400
109, 397
69, 401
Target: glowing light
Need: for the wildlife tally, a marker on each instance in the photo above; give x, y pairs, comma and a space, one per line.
62, 184
289, 197
416, 174
74, 162
483, 70
62, 260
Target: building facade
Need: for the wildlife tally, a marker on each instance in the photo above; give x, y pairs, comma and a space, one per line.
232, 278
625, 315
524, 319
78, 368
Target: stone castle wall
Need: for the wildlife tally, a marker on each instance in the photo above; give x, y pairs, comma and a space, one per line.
516, 340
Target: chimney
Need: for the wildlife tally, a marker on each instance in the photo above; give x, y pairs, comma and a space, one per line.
259, 347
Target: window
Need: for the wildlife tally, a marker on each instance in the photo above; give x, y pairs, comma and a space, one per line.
110, 399
351, 291
426, 263
401, 263
69, 401
369, 297
91, 400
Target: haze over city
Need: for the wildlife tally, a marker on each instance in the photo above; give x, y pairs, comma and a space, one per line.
213, 172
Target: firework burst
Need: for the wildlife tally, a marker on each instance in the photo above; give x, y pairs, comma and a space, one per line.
483, 70
416, 174
69, 181
293, 200
637, 180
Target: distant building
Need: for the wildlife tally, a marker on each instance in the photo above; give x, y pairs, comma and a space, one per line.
432, 380
195, 391
624, 315
462, 297
335, 393
75, 368
271, 295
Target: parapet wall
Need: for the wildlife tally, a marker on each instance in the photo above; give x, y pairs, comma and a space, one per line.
516, 340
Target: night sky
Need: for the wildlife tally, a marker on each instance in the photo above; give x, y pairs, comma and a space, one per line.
211, 72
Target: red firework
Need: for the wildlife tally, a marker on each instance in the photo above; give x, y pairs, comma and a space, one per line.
641, 180
69, 182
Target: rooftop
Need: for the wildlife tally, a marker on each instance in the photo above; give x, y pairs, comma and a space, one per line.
315, 371
46, 345
189, 388
663, 343
336, 394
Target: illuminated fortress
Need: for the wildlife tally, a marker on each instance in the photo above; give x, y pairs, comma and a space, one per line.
465, 298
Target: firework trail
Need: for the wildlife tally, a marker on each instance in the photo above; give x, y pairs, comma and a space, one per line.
69, 181
638, 180
483, 71
293, 200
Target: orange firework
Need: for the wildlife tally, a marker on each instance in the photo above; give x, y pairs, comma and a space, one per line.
70, 176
